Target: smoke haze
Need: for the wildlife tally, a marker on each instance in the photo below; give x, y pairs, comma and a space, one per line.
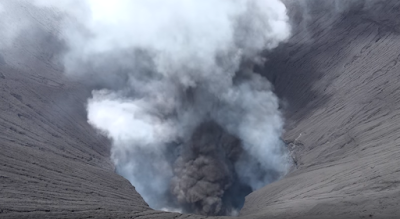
193, 128
185, 64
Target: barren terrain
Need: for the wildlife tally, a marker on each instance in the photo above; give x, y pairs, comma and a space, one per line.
338, 78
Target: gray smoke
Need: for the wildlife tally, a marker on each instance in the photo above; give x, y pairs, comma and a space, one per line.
180, 77
193, 128
204, 171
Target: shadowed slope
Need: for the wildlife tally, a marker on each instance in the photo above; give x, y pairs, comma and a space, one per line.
343, 122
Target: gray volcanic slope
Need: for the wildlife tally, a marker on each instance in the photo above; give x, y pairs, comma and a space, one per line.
338, 75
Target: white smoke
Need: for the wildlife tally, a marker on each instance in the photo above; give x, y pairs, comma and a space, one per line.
160, 69
168, 66
11, 23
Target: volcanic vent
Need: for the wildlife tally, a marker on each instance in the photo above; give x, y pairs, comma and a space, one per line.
193, 128
204, 174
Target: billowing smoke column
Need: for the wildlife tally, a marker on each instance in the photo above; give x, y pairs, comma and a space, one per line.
193, 128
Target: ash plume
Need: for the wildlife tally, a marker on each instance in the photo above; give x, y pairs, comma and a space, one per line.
204, 170
193, 128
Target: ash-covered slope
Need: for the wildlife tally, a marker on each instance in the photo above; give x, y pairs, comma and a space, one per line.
338, 75
341, 80
52, 164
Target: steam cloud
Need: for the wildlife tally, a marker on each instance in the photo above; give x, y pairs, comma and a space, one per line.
9, 31
193, 128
